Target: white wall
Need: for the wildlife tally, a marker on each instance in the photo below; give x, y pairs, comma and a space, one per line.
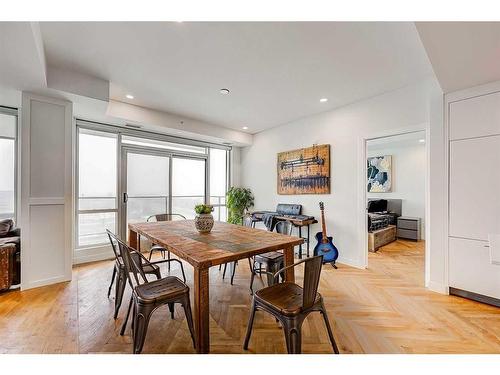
408, 177
407, 108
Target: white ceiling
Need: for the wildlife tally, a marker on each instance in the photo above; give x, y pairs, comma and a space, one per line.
463, 54
277, 72
22, 64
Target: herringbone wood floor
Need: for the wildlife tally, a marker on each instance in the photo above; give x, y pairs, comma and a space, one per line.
383, 309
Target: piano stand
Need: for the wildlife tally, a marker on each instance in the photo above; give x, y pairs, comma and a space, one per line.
308, 239
297, 221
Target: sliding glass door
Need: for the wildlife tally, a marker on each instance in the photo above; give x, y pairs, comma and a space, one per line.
146, 179
145, 185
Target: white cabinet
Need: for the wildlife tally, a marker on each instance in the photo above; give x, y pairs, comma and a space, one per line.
470, 268
475, 117
474, 193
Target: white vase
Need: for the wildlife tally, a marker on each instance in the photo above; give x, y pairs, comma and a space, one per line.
204, 223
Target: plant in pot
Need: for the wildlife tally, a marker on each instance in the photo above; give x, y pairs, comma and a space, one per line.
204, 221
238, 201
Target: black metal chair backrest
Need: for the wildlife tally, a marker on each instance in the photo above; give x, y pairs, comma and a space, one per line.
312, 272
247, 221
166, 217
284, 227
114, 246
131, 261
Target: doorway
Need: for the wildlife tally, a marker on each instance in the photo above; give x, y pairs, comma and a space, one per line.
394, 200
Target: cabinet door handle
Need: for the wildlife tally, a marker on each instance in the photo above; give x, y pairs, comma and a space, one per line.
125, 197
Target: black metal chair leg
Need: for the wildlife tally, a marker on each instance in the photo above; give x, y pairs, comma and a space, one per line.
224, 272
250, 326
329, 329
121, 283
124, 325
250, 264
171, 308
295, 341
189, 317
234, 271
168, 257
112, 280
252, 277
141, 322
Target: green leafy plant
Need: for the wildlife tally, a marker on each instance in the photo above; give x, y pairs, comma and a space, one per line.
238, 200
203, 209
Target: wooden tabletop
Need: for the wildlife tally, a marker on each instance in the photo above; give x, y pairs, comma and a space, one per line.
226, 242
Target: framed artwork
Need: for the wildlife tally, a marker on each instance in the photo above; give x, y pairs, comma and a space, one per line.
304, 171
379, 173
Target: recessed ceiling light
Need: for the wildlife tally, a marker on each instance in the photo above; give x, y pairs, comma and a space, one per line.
224, 91
421, 140
323, 100
128, 96
245, 127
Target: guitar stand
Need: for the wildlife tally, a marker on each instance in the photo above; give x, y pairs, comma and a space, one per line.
332, 263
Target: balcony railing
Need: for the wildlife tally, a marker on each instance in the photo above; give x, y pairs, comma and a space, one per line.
96, 214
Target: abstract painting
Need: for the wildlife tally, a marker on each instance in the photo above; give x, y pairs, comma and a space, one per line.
304, 171
379, 174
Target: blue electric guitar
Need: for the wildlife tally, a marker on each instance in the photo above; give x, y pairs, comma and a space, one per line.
325, 245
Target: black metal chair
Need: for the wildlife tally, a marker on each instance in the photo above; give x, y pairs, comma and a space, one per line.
147, 295
121, 278
161, 249
271, 261
291, 304
247, 222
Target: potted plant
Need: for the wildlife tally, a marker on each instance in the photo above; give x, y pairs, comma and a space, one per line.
204, 221
238, 200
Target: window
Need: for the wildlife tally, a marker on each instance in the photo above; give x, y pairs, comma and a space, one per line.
218, 182
8, 146
188, 185
123, 176
97, 186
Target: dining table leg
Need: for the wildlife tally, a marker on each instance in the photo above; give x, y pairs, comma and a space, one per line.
201, 310
289, 259
132, 239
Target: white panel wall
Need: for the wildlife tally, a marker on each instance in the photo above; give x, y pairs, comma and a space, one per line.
474, 178
46, 191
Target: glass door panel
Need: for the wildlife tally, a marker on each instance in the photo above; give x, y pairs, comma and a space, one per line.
146, 185
188, 185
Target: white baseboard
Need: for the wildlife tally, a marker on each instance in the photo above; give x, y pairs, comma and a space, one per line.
93, 254
351, 263
44, 282
438, 287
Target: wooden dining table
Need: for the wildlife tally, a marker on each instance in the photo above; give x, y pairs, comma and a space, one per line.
225, 243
